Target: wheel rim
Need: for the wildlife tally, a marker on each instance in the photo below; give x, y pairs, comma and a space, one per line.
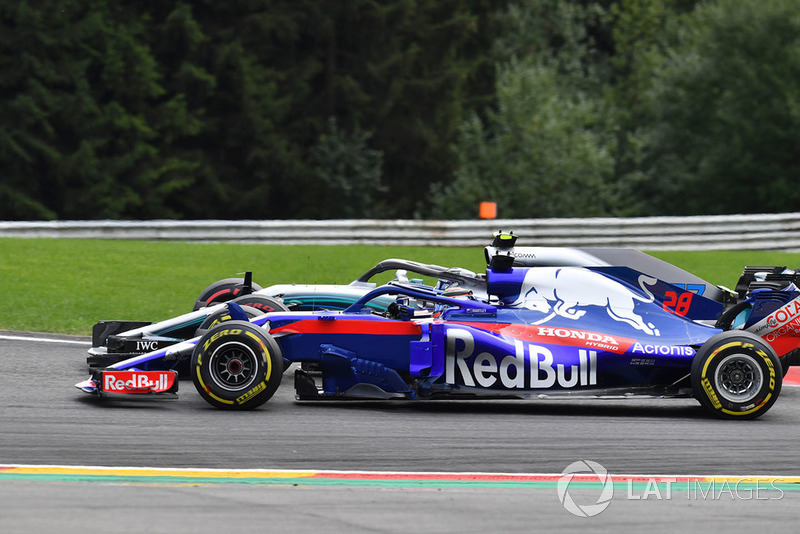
233, 366
739, 378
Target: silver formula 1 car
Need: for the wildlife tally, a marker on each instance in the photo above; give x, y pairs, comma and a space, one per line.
117, 340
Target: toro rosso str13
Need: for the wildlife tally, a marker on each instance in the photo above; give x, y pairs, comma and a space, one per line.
540, 331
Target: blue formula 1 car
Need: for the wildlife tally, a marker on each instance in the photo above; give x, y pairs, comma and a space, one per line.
594, 331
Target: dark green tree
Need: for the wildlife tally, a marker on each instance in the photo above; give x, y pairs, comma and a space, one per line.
407, 70
546, 149
349, 173
726, 134
238, 76
85, 114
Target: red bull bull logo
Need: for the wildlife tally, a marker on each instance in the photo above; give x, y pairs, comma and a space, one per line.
568, 291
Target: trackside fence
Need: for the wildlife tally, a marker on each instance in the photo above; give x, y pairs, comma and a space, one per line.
717, 232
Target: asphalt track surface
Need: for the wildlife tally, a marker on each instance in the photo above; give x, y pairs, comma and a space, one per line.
44, 420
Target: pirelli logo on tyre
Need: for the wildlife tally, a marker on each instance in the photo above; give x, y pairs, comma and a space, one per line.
252, 393
710, 393
706, 383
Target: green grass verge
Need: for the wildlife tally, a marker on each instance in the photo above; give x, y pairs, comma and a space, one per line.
66, 285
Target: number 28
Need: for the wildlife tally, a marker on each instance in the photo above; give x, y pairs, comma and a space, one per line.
679, 305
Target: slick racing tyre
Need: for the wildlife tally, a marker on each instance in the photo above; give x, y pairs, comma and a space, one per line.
221, 291
262, 303
736, 375
221, 316
236, 366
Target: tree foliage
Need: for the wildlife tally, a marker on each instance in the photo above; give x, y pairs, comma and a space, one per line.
84, 115
726, 130
545, 150
397, 108
539, 155
349, 173
222, 109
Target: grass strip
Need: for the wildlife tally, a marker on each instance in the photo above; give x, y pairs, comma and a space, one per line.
66, 285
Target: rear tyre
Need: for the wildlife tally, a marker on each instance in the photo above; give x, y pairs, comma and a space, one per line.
236, 366
736, 375
221, 291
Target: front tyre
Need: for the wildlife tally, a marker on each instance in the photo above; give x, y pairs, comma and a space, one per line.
736, 375
236, 366
261, 303
220, 316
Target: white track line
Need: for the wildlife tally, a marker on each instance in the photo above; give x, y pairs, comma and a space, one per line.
88, 344
46, 340
200, 471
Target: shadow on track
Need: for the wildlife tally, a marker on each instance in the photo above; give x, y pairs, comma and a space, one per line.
560, 408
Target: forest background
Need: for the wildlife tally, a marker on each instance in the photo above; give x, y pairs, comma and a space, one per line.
281, 109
